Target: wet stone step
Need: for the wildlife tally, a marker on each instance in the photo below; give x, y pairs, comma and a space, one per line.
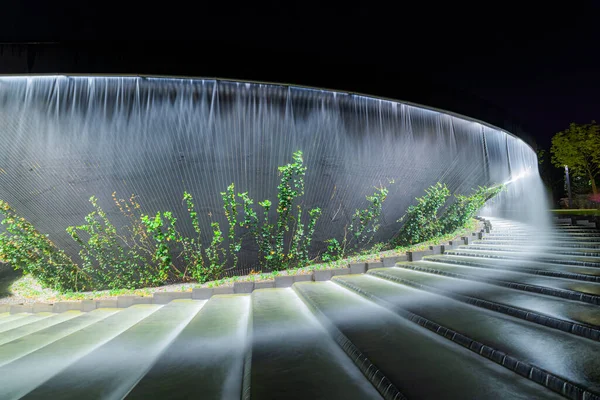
532, 250
571, 316
559, 353
15, 349
24, 374
587, 292
16, 333
555, 244
113, 369
385, 338
545, 235
554, 258
9, 318
294, 358
590, 274
29, 319
206, 358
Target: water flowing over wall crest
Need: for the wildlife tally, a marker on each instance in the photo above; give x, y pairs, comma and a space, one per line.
66, 138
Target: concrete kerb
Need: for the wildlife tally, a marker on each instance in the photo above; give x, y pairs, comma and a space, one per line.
358, 268
436, 249
340, 271
41, 307
223, 290
63, 306
264, 285
418, 255
380, 264
303, 278
202, 293
21, 308
108, 303
390, 261
89, 305
322, 275
241, 287
167, 297
284, 281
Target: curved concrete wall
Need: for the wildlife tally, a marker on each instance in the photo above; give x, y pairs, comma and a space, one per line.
64, 139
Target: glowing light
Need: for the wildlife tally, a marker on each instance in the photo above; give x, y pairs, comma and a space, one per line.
520, 175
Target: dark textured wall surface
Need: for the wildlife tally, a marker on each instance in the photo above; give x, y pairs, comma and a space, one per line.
64, 139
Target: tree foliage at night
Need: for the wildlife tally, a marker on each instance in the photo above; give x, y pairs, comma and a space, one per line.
578, 147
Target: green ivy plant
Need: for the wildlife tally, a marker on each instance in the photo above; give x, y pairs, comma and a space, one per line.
271, 238
362, 229
230, 206
24, 248
215, 254
464, 208
169, 241
114, 259
420, 222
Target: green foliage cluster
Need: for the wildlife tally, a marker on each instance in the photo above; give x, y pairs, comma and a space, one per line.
420, 222
361, 231
169, 240
25, 248
578, 147
464, 208
151, 250
293, 230
118, 259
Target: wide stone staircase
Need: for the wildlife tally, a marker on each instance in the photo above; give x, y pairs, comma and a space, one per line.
514, 315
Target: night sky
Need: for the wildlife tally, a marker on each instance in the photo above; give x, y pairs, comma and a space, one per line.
537, 67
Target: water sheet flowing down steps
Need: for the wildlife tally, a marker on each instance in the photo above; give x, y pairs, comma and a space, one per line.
497, 319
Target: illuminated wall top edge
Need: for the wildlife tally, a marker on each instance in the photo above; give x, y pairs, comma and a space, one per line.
284, 86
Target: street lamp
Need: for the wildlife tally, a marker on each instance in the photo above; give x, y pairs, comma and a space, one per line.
568, 185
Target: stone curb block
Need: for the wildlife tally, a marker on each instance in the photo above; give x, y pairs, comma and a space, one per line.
358, 268
42, 307
303, 278
21, 308
202, 293
128, 301
108, 303
243, 287
391, 261
142, 300
453, 244
418, 255
436, 249
166, 297
89, 305
264, 285
380, 264
63, 306
223, 290
340, 271
322, 275
284, 281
